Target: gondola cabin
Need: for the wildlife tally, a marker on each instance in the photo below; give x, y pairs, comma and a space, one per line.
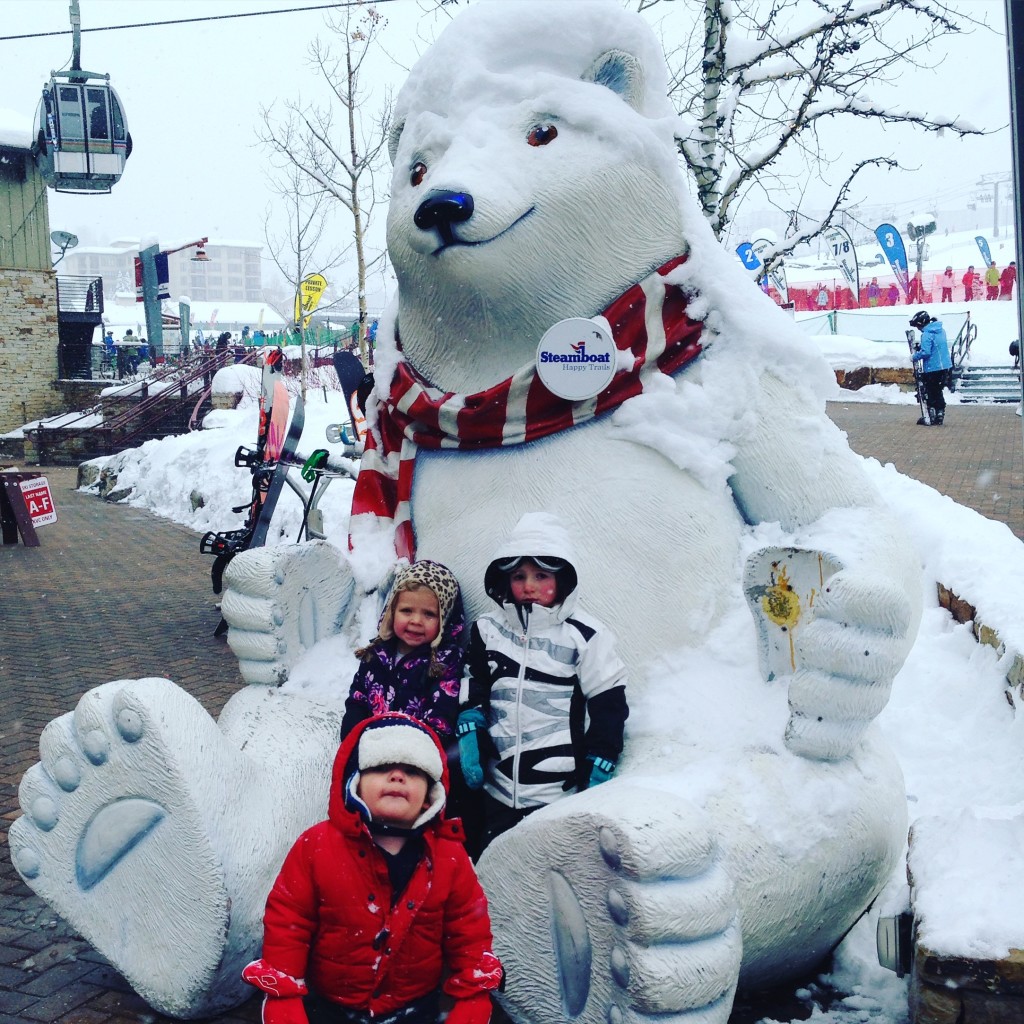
81, 134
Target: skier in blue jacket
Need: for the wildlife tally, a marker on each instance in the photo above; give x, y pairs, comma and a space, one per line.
933, 353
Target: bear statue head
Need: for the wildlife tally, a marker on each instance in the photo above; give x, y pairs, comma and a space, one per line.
535, 178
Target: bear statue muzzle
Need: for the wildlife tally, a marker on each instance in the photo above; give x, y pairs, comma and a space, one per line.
440, 210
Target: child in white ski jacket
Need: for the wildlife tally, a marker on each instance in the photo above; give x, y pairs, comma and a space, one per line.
546, 702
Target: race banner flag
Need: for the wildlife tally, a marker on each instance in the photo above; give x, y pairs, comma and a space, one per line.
138, 279
749, 259
895, 252
843, 252
777, 274
185, 318
307, 298
163, 277
986, 252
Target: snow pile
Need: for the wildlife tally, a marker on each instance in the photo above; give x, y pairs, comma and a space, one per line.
947, 856
15, 129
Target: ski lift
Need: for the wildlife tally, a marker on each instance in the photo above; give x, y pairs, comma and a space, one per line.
82, 136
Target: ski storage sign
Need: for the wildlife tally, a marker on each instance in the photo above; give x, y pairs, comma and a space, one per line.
38, 501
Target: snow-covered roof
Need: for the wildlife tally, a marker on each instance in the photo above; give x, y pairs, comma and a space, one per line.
233, 313
123, 245
236, 243
15, 129
102, 250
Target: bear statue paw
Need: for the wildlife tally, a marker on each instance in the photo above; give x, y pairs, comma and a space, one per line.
837, 635
613, 907
279, 601
847, 658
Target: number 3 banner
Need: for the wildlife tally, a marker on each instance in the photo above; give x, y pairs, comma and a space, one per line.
892, 245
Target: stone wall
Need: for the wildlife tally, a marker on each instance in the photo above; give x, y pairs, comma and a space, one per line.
854, 380
28, 347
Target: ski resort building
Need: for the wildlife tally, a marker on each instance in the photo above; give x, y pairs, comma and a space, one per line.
28, 301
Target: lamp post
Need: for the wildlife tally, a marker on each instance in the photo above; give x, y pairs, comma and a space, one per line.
1015, 53
150, 288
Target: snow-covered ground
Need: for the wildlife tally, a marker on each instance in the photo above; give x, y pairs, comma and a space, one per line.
960, 742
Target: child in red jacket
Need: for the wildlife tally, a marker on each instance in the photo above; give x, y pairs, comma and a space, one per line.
375, 904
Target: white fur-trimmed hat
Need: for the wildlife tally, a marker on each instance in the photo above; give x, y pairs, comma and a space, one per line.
399, 739
391, 742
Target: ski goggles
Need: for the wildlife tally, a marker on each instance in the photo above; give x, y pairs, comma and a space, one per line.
547, 563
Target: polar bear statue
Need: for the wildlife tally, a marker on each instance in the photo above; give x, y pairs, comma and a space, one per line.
756, 811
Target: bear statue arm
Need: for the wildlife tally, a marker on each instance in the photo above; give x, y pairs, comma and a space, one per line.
796, 469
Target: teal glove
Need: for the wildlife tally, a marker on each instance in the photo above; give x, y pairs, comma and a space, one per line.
470, 722
601, 770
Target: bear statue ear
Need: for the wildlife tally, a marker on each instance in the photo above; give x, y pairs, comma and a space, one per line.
621, 72
394, 135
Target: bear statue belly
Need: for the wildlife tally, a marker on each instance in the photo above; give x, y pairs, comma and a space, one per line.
656, 548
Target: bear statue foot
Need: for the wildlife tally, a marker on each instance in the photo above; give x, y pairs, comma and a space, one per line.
613, 907
148, 829
279, 601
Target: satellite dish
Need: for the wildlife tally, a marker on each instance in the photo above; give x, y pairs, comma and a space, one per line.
63, 239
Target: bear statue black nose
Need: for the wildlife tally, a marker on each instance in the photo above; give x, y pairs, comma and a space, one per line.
441, 209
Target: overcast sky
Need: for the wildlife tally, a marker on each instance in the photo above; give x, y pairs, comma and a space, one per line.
192, 95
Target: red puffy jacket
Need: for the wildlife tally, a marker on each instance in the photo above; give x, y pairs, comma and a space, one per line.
329, 917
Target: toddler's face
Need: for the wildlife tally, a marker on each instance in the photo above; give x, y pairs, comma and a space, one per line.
417, 619
395, 794
530, 583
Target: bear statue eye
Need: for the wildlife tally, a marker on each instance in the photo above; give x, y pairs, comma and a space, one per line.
418, 173
542, 134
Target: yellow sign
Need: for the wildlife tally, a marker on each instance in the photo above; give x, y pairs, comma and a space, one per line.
307, 298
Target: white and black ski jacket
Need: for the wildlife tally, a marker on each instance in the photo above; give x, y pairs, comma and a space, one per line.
548, 680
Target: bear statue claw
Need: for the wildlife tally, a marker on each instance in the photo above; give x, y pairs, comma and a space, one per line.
279, 601
838, 636
606, 915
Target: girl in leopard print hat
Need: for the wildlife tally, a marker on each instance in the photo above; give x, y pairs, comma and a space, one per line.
414, 663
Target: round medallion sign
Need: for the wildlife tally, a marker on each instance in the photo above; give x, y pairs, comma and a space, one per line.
576, 359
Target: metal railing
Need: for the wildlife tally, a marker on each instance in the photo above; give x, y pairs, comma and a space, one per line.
166, 400
79, 294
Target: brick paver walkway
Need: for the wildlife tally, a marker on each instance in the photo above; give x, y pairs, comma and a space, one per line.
113, 592
975, 457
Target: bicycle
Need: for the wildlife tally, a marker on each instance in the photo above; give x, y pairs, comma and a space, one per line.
108, 366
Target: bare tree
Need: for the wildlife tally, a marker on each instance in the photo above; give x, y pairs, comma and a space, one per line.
303, 242
333, 145
759, 80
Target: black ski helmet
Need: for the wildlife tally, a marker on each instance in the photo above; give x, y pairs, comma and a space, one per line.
920, 319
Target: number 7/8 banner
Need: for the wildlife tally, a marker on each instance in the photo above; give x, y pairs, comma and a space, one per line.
845, 255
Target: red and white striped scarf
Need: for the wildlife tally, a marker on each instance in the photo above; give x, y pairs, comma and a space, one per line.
648, 321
